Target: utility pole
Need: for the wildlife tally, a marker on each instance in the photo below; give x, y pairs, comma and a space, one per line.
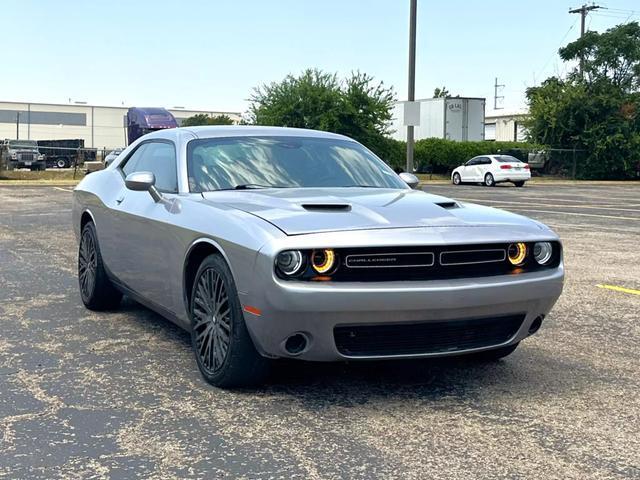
17, 125
583, 11
412, 79
496, 86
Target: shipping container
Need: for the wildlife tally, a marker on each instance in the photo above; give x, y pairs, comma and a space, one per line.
454, 118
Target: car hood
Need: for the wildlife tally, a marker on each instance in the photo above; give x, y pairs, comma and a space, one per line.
298, 211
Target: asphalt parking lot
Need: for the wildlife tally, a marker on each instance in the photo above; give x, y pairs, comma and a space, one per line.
118, 395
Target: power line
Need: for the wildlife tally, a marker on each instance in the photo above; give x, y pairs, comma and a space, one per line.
583, 11
546, 64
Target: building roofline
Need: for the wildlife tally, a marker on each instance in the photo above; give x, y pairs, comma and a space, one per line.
124, 107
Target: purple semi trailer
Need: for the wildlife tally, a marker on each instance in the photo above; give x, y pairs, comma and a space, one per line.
141, 121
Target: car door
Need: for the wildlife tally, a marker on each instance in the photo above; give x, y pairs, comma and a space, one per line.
467, 171
482, 168
144, 229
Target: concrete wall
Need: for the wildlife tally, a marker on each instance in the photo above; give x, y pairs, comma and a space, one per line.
98, 126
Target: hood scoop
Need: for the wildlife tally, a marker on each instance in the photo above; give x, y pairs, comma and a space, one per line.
326, 207
448, 205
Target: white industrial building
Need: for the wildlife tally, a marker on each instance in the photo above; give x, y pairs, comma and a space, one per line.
505, 126
99, 126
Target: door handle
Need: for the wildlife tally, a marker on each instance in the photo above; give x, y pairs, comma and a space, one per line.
120, 199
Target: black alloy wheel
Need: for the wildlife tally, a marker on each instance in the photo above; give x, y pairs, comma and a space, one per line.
212, 320
224, 350
96, 289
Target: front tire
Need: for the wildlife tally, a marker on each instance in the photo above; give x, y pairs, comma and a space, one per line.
96, 290
519, 184
456, 179
61, 163
224, 351
489, 181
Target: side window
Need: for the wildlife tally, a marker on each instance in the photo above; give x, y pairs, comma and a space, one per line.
472, 162
158, 158
486, 161
132, 161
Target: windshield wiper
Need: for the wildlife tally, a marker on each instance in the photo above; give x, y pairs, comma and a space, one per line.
361, 186
249, 186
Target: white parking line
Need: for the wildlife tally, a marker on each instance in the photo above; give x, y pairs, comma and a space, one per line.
62, 189
42, 214
637, 219
520, 204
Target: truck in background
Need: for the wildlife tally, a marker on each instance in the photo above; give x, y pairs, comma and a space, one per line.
21, 154
141, 121
65, 153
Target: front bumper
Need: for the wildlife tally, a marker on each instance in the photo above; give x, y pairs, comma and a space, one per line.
314, 309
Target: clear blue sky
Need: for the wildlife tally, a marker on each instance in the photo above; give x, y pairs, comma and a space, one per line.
209, 54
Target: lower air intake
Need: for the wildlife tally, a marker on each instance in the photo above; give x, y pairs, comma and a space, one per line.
425, 337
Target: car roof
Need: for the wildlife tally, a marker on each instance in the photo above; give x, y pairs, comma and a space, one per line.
219, 131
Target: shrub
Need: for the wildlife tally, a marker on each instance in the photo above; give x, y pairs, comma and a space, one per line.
442, 156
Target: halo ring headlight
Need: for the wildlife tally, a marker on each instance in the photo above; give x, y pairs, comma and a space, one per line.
323, 261
542, 252
290, 262
517, 252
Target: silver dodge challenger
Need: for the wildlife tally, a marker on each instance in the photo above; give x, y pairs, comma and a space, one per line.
271, 243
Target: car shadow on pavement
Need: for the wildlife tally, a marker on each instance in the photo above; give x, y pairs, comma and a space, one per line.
528, 371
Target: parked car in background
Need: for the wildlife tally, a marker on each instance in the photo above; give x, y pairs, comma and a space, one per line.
492, 169
272, 243
113, 154
21, 154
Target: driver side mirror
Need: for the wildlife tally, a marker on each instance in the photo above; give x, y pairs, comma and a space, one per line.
143, 182
410, 179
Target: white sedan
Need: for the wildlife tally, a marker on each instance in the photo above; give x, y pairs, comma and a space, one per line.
492, 169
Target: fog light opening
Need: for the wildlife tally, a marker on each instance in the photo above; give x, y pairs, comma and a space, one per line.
536, 324
296, 344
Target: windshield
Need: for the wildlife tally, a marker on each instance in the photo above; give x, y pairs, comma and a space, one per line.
284, 162
507, 159
30, 144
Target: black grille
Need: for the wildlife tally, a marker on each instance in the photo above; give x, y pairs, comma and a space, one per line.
26, 156
425, 337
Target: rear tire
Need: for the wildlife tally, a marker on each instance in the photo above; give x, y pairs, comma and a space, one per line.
456, 179
495, 354
489, 181
96, 290
221, 343
519, 184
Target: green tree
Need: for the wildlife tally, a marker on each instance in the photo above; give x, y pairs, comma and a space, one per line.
440, 92
597, 110
357, 106
204, 119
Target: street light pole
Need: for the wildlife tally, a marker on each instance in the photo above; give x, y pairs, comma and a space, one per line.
412, 79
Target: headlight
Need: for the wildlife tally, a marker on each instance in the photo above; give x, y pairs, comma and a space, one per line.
14, 156
542, 252
290, 262
323, 261
40, 157
517, 253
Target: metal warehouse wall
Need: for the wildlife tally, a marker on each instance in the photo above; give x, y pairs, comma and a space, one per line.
98, 126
